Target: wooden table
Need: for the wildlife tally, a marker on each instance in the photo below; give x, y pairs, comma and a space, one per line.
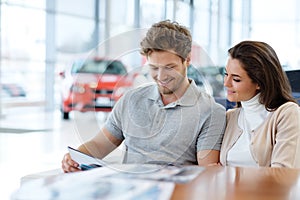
229, 183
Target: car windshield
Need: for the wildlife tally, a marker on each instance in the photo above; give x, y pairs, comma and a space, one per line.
100, 67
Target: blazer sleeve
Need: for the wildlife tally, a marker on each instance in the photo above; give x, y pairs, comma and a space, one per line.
286, 150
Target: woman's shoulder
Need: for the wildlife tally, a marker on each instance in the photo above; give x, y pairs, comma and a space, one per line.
288, 109
288, 106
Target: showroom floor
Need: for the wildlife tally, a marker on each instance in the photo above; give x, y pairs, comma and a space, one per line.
33, 141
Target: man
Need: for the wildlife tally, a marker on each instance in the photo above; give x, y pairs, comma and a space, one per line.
171, 121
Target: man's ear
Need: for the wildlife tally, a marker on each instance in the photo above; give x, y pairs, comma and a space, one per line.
188, 59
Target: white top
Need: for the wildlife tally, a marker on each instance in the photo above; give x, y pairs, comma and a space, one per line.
251, 116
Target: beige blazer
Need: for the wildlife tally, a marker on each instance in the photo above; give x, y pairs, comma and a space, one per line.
275, 143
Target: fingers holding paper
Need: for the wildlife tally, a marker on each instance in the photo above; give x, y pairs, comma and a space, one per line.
69, 165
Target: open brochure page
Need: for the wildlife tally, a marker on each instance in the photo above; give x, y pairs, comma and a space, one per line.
160, 172
177, 174
93, 184
109, 181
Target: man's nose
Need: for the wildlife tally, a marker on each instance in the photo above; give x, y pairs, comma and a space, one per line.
161, 73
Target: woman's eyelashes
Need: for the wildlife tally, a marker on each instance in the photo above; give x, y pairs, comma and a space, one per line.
234, 79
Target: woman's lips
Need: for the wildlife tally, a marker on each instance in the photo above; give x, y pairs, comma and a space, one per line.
229, 92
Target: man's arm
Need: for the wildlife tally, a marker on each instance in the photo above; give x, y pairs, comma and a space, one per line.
208, 157
99, 146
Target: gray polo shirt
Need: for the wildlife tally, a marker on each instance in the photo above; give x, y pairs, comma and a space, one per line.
153, 132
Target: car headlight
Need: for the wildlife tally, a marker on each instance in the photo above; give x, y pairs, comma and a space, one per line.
93, 85
77, 89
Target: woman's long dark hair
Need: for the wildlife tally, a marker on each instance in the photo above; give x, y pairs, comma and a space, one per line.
262, 65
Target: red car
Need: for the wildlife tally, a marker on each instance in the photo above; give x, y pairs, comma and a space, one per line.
94, 85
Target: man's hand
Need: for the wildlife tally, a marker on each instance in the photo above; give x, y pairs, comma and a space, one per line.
69, 165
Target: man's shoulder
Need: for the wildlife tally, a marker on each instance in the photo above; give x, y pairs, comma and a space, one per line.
208, 100
202, 94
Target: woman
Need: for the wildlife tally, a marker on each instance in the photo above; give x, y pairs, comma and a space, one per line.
264, 129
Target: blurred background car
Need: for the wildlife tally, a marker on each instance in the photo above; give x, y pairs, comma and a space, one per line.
93, 85
215, 76
12, 90
200, 79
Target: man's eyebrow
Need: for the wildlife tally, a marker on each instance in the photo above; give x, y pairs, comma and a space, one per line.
167, 65
152, 65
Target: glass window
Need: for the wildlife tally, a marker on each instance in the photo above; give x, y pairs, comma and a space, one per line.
122, 13
23, 34
277, 25
237, 22
23, 51
84, 8
151, 11
224, 31
182, 12
27, 3
74, 34
201, 30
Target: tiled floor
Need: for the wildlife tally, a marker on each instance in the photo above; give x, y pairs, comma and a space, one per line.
32, 141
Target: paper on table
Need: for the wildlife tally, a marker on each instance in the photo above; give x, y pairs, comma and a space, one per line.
93, 185
177, 174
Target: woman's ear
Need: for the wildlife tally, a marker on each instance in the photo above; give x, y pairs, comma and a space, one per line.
257, 87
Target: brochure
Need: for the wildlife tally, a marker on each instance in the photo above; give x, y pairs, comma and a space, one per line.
177, 174
159, 172
93, 184
85, 161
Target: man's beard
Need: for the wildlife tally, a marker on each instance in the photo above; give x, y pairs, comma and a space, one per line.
165, 90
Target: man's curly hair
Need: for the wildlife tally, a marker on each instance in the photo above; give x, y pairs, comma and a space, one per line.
167, 36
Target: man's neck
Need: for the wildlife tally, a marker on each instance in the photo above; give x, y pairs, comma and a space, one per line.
170, 98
